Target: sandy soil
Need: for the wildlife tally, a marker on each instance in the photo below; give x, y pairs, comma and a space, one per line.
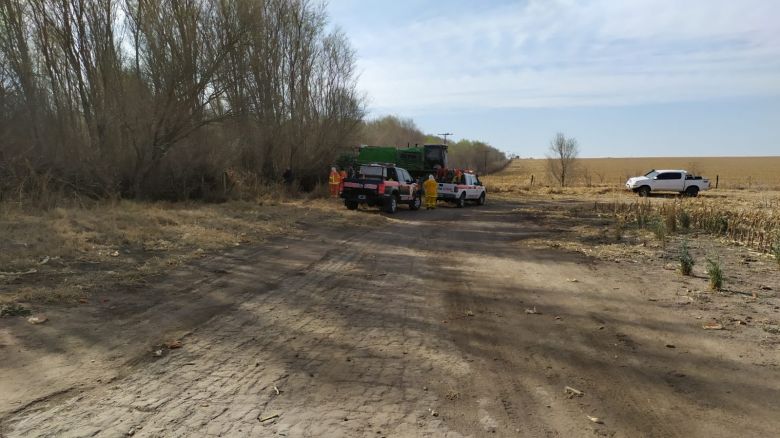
437, 323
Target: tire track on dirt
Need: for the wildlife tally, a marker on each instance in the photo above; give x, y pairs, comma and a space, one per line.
420, 328
266, 356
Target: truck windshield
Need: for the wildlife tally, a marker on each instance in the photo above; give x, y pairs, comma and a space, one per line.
371, 171
651, 174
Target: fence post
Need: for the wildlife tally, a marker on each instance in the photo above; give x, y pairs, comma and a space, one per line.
717, 180
532, 180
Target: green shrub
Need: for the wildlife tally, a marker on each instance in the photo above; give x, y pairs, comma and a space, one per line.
715, 272
14, 310
686, 261
659, 230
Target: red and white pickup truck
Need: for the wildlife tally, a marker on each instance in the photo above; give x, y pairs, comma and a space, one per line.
469, 188
381, 185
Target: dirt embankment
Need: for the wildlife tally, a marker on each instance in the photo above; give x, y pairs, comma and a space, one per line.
435, 323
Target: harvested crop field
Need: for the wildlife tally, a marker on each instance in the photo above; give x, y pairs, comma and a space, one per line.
733, 172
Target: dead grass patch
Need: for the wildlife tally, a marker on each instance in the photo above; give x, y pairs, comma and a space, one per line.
64, 254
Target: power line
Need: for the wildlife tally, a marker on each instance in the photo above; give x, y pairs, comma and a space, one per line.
445, 136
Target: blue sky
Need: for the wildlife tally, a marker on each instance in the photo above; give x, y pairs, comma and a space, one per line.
626, 78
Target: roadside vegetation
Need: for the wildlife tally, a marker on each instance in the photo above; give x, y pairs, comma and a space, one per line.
67, 254
745, 217
170, 100
776, 251
747, 225
686, 260
715, 273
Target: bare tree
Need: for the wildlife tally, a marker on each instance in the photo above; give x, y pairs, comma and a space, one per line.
391, 131
476, 155
154, 98
562, 158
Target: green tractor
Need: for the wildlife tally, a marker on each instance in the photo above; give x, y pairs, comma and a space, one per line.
418, 160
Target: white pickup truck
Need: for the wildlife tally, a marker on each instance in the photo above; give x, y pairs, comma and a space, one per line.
679, 181
470, 188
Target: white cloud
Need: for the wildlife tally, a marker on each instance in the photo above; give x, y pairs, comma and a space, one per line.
545, 53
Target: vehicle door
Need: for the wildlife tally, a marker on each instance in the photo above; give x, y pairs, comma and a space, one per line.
406, 184
391, 179
668, 181
470, 189
477, 186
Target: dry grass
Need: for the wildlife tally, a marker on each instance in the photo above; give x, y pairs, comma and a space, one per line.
734, 172
756, 225
64, 254
745, 217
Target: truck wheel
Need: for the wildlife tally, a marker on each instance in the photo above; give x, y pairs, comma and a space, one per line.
644, 191
351, 205
692, 191
481, 200
461, 201
415, 203
392, 205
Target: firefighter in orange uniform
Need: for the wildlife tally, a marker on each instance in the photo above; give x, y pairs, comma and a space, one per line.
431, 187
334, 181
342, 177
456, 178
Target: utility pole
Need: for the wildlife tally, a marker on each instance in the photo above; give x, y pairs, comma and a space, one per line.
445, 136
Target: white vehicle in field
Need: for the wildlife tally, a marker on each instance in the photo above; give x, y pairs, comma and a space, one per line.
679, 181
469, 188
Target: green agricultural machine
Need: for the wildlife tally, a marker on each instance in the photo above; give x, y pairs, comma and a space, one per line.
419, 161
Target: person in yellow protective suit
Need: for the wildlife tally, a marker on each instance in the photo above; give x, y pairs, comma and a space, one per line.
431, 187
334, 181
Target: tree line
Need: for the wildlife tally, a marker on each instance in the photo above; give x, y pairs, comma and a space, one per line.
170, 98
402, 132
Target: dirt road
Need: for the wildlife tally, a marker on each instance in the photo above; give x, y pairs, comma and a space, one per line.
441, 323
